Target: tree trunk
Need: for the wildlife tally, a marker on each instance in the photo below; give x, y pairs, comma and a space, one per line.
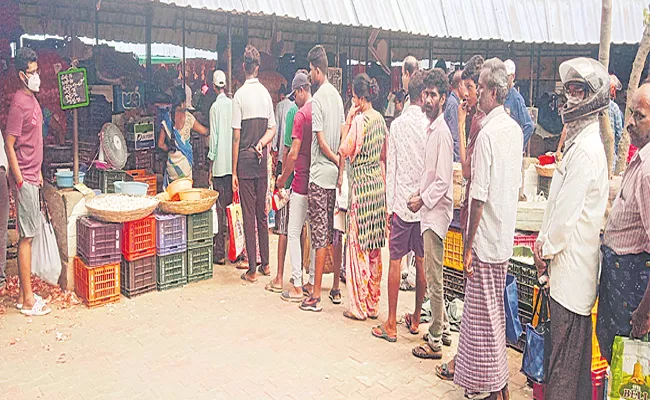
603, 56
632, 86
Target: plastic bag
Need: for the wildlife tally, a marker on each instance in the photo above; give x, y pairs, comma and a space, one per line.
630, 372
46, 262
215, 220
236, 228
534, 363
513, 324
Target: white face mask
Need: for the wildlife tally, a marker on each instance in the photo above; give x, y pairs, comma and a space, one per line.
34, 83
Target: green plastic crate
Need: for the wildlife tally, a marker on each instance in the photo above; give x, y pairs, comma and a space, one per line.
199, 263
171, 271
199, 226
103, 179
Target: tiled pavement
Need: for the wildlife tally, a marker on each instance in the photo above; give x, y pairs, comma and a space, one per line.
217, 339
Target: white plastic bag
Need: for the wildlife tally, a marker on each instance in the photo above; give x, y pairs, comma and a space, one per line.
46, 262
215, 220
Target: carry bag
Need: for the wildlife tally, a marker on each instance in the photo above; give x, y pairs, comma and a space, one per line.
538, 340
513, 324
235, 228
46, 262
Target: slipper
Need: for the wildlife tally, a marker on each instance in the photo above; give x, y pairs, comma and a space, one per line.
291, 299
36, 297
241, 265
373, 317
264, 271
273, 289
408, 322
442, 371
347, 314
39, 309
424, 351
245, 277
383, 335
477, 395
335, 296
446, 340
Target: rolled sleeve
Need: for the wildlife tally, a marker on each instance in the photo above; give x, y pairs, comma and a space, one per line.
481, 168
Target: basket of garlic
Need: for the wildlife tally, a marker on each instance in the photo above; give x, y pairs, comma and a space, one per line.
186, 207
120, 207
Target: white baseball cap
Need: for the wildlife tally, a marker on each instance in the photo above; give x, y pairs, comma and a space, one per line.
219, 78
510, 67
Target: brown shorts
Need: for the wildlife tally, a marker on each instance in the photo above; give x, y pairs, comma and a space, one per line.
321, 204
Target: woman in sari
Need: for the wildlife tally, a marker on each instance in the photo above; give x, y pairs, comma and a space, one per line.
364, 145
175, 138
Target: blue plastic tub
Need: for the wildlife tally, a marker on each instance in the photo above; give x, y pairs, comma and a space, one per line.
131, 188
64, 179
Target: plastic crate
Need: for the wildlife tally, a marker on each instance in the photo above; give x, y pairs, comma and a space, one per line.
453, 255
171, 234
140, 175
98, 243
139, 238
55, 154
138, 277
141, 159
171, 271
598, 362
87, 152
453, 283
199, 263
525, 273
103, 179
199, 226
522, 239
97, 286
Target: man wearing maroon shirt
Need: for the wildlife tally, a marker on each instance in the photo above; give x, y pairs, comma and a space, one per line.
24, 147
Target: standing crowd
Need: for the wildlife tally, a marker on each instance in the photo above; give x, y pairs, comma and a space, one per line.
359, 184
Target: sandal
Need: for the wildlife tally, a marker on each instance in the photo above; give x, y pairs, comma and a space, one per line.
306, 292
347, 314
408, 322
242, 265
273, 289
245, 277
335, 296
264, 271
446, 340
311, 304
384, 334
442, 371
425, 352
477, 395
39, 309
286, 296
19, 306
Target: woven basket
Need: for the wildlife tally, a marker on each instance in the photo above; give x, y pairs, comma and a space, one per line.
545, 172
119, 216
187, 207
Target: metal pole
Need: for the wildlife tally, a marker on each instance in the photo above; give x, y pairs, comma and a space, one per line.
430, 54
229, 61
149, 72
367, 59
338, 49
183, 65
75, 120
530, 90
539, 71
96, 26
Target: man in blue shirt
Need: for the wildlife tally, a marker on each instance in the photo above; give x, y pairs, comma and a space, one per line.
451, 111
515, 105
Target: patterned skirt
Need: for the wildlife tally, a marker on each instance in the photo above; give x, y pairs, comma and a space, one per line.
481, 362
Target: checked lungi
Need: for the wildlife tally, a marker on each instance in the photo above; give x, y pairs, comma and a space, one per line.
481, 362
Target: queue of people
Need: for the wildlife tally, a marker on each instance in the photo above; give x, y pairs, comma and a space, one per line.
397, 189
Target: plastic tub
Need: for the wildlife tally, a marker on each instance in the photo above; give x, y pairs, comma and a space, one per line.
131, 188
64, 179
192, 194
178, 186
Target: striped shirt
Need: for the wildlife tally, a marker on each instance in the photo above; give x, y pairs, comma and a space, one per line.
628, 228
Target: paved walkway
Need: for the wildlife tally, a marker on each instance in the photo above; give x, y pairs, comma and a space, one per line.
217, 339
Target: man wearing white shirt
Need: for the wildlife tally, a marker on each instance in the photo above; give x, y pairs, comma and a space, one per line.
4, 214
568, 244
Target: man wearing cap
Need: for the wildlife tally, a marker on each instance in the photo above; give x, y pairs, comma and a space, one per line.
220, 156
568, 243
516, 106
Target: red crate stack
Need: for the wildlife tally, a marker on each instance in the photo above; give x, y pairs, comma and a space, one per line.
97, 286
139, 238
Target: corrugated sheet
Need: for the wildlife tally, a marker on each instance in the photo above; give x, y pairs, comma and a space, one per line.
471, 20
281, 8
212, 5
383, 14
627, 20
522, 21
423, 17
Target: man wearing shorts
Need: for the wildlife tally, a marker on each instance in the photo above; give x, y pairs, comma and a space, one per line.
24, 146
328, 119
404, 170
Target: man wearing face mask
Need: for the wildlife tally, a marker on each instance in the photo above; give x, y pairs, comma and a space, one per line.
570, 236
24, 147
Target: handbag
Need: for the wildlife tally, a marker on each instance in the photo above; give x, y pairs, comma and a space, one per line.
630, 378
46, 262
236, 228
534, 363
511, 300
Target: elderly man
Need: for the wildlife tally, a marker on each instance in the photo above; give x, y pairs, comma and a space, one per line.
481, 366
409, 67
568, 243
624, 296
516, 106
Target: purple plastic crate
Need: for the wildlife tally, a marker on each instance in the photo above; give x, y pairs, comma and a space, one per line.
98, 243
171, 234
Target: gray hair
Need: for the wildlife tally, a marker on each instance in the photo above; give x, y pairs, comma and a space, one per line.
497, 78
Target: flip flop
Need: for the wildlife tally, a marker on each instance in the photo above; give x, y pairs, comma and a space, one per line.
383, 335
425, 352
335, 296
241, 265
273, 289
244, 277
347, 314
36, 297
407, 322
287, 297
39, 309
442, 372
265, 272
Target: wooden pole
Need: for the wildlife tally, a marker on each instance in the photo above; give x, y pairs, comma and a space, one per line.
530, 91
149, 72
229, 61
75, 119
430, 54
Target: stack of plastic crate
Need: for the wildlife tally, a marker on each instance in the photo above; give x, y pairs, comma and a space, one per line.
171, 247
97, 265
199, 246
141, 175
139, 256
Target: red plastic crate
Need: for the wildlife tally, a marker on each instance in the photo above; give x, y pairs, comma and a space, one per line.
97, 286
138, 277
98, 243
140, 175
139, 238
525, 240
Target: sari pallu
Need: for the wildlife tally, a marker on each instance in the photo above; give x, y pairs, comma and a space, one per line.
180, 157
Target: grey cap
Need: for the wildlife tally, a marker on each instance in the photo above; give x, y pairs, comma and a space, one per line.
299, 81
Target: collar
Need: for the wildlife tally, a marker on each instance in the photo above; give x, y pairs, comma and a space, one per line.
251, 80
644, 153
221, 95
453, 94
413, 108
497, 112
436, 123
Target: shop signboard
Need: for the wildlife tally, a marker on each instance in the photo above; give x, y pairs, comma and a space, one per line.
73, 88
